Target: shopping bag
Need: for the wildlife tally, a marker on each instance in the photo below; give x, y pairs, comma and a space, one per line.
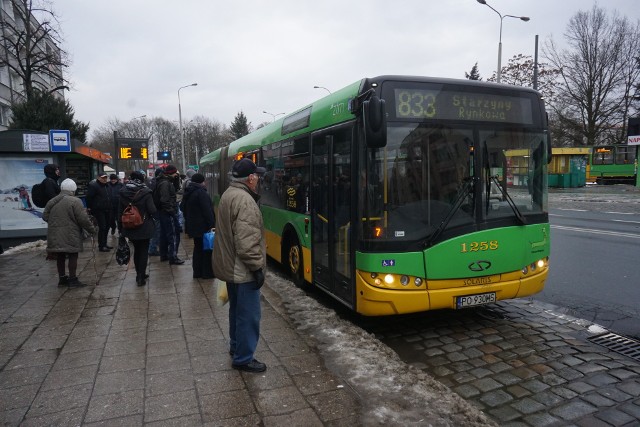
123, 253
207, 240
221, 292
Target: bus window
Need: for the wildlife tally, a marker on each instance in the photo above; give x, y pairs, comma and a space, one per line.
625, 155
603, 156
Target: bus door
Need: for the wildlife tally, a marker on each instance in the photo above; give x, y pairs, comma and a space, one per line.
330, 204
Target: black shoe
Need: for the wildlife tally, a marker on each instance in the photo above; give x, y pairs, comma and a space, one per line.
75, 283
63, 281
141, 281
253, 366
176, 261
104, 249
230, 353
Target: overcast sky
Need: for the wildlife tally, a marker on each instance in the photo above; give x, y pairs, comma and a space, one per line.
130, 57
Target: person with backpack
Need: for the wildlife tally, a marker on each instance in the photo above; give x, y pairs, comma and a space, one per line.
137, 194
199, 218
66, 219
99, 206
47, 190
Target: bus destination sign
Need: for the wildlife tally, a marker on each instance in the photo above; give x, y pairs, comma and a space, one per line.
413, 103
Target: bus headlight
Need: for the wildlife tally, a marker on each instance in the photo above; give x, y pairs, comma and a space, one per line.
388, 279
417, 281
525, 269
540, 263
404, 280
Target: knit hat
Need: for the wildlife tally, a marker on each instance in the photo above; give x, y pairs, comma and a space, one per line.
198, 178
190, 173
170, 169
50, 168
68, 185
159, 172
113, 176
137, 176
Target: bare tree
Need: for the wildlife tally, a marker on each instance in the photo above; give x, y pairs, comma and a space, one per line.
519, 72
31, 43
596, 77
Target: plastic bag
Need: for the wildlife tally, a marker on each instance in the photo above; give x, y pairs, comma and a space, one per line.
207, 240
221, 292
123, 253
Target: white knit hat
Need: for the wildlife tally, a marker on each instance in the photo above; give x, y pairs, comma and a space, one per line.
68, 185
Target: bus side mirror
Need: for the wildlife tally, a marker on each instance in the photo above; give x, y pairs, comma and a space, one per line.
375, 122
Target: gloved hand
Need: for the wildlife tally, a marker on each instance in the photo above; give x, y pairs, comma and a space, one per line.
259, 276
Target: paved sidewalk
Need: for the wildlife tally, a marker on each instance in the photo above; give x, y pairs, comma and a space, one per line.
118, 354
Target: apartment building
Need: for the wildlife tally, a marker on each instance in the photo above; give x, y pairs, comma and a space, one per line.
12, 88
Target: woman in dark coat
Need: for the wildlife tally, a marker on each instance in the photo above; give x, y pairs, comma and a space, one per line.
139, 195
66, 218
199, 218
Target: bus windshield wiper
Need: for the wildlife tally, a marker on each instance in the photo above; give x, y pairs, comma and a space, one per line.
512, 204
463, 192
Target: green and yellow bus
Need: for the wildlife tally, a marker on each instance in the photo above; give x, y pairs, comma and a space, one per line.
405, 194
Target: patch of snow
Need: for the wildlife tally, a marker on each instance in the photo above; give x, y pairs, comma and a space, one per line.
26, 247
391, 391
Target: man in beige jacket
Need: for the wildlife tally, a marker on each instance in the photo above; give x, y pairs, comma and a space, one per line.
239, 258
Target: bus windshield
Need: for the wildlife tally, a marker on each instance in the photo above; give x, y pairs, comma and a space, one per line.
433, 179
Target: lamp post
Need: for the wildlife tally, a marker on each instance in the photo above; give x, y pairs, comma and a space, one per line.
322, 87
184, 165
522, 18
273, 115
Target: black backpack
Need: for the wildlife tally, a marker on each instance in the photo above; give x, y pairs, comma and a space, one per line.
38, 195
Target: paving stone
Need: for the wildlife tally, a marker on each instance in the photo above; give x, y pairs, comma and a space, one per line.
496, 398
65, 378
113, 406
70, 417
170, 405
118, 382
528, 406
226, 406
169, 382
615, 417
51, 401
334, 405
573, 410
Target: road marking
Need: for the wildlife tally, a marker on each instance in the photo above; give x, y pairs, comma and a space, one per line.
591, 230
575, 210
626, 222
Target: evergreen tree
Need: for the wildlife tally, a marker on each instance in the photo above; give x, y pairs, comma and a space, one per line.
43, 112
240, 126
474, 74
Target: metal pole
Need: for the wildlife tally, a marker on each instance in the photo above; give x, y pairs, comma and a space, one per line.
535, 66
499, 72
116, 154
184, 164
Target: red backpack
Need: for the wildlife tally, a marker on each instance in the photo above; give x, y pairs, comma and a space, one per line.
131, 217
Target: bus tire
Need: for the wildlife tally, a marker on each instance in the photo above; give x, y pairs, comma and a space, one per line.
294, 261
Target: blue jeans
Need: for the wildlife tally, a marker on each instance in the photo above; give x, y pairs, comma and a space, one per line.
244, 320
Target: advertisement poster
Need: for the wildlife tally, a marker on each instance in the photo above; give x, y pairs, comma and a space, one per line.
17, 211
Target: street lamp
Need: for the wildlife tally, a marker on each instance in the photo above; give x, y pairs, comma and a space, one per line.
184, 165
322, 87
273, 115
522, 18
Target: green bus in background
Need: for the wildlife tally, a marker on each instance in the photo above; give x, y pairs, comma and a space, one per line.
405, 194
616, 164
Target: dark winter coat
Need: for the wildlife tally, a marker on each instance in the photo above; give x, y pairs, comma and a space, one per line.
239, 247
50, 183
98, 196
114, 194
144, 202
66, 218
198, 211
165, 195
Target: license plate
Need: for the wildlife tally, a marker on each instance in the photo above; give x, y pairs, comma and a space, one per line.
473, 300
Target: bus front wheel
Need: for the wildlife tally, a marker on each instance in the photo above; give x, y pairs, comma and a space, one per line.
295, 263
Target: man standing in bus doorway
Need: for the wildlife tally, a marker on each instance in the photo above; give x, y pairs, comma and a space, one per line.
239, 258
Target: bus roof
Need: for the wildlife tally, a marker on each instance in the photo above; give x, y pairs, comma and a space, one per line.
333, 109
